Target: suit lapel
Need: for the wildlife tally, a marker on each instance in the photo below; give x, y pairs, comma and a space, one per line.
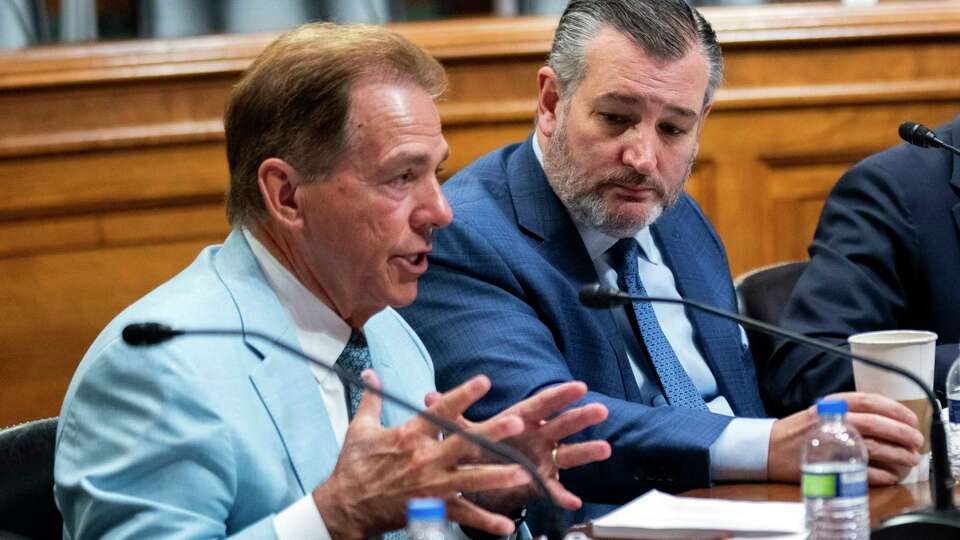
542, 215
289, 392
392, 380
719, 340
955, 177
956, 210
285, 383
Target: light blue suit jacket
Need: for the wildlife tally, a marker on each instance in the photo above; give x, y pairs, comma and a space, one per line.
207, 437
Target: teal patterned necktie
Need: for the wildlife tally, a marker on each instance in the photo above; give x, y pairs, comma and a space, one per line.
354, 359
677, 386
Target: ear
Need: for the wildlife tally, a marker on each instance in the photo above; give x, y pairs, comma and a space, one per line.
547, 101
279, 182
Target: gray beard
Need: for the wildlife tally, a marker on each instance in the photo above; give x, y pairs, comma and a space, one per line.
583, 200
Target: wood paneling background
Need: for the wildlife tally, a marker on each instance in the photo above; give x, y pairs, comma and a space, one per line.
112, 168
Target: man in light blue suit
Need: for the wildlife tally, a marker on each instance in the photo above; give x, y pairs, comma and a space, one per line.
596, 194
333, 140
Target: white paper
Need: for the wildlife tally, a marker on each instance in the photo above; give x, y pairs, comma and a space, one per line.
659, 515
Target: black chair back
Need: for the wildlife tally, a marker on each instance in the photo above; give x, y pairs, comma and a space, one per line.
27, 508
762, 294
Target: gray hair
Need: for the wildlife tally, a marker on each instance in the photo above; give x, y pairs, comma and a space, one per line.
664, 29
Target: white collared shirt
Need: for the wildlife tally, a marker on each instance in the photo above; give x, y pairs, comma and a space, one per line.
740, 452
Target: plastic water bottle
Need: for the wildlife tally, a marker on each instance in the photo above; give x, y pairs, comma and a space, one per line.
953, 428
427, 519
834, 477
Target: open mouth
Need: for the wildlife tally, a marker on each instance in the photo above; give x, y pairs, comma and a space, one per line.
417, 259
414, 264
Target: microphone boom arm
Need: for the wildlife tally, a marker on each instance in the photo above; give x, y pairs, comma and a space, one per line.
941, 486
145, 334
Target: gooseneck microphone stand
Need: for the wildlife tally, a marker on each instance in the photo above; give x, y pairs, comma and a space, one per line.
942, 521
150, 333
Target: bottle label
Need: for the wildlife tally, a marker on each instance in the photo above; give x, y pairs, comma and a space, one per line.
954, 410
832, 485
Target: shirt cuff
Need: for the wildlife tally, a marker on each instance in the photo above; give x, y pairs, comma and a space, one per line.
301, 521
740, 452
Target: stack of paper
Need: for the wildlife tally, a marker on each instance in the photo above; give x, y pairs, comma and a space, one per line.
658, 515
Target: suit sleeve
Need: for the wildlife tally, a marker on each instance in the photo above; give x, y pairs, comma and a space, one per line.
477, 315
863, 254
141, 455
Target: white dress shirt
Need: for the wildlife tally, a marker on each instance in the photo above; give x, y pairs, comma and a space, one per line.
740, 452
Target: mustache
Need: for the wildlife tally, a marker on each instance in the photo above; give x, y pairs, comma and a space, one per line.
634, 180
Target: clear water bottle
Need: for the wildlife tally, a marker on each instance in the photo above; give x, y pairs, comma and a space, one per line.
953, 426
427, 519
834, 477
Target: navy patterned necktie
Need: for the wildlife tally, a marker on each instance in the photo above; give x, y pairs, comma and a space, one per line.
677, 386
354, 359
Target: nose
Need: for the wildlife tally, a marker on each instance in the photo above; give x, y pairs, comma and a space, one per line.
434, 210
640, 150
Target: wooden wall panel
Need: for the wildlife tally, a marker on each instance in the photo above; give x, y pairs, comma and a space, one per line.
775, 166
83, 181
795, 196
54, 305
112, 168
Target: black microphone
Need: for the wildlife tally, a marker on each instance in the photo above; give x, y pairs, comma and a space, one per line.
148, 333
924, 137
151, 333
941, 521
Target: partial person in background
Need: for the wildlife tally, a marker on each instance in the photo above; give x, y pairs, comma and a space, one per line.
333, 141
596, 194
886, 255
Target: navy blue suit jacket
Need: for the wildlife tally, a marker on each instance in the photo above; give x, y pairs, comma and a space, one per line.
500, 298
886, 255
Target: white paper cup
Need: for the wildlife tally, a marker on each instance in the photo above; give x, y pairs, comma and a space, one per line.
912, 350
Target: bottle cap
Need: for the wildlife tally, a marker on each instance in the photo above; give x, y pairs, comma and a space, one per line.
426, 509
831, 406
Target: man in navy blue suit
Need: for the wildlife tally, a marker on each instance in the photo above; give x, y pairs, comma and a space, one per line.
596, 194
885, 255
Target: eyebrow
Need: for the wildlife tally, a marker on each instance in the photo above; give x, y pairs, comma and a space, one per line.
416, 158
628, 99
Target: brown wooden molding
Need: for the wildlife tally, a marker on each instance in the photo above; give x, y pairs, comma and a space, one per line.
488, 112
832, 95
454, 40
199, 221
110, 138
493, 111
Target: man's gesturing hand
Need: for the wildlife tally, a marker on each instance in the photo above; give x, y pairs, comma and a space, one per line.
379, 469
544, 427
